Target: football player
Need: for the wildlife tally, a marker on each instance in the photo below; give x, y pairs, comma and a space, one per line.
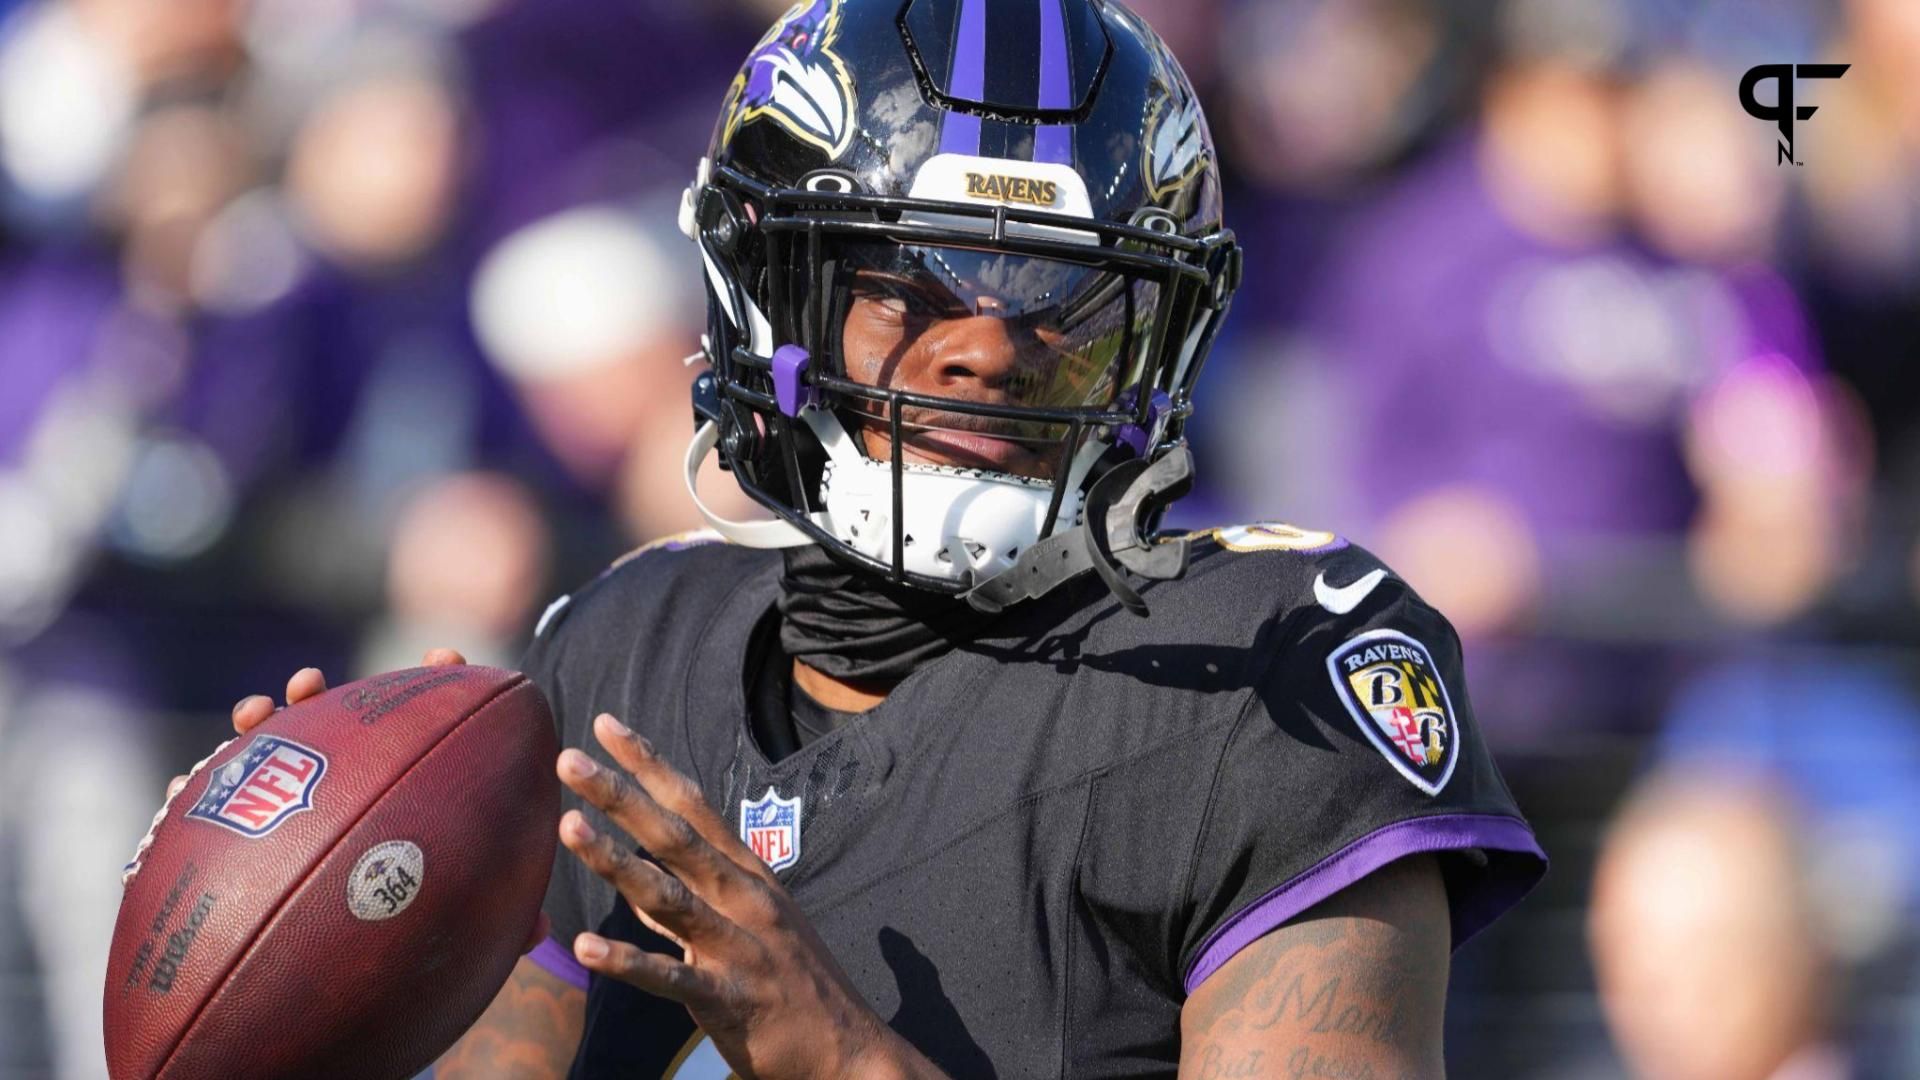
956, 764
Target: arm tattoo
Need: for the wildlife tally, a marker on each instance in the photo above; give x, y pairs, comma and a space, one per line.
1353, 989
530, 1032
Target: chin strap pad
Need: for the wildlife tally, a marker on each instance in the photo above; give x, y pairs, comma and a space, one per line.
1118, 506
1042, 566
1168, 479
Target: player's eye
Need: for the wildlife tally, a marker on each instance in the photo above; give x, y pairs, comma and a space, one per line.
902, 299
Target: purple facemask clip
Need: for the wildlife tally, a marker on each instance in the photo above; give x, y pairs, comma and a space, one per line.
1141, 438
790, 389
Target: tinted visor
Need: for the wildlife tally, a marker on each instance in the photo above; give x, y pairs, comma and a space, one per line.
1013, 332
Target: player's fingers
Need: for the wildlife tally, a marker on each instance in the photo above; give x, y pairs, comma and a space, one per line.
250, 712
663, 834
649, 888
673, 790
652, 972
653, 924
173, 787
443, 657
305, 683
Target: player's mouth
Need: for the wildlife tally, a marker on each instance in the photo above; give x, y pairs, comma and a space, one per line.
990, 446
971, 450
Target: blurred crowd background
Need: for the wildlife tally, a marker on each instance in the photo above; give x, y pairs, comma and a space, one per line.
334, 329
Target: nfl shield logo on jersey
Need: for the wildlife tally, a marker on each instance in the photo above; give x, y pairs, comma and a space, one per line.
1390, 685
770, 825
272, 780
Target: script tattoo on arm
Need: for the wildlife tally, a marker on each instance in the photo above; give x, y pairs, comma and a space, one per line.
1354, 988
530, 1032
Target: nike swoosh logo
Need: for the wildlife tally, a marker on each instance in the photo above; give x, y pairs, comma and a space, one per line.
1347, 597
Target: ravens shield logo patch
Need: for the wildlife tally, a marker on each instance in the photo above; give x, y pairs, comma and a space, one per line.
1389, 683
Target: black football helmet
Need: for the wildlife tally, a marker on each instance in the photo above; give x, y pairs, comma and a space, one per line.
1040, 163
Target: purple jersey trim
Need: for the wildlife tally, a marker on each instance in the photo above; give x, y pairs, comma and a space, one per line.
1438, 832
960, 132
556, 961
1054, 142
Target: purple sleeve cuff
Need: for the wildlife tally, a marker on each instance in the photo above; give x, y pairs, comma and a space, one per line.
1473, 905
556, 961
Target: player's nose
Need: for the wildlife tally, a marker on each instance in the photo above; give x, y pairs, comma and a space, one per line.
977, 349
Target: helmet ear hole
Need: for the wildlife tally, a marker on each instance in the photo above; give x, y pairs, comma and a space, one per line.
830, 182
1154, 219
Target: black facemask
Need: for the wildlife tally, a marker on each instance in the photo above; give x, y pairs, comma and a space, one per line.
854, 625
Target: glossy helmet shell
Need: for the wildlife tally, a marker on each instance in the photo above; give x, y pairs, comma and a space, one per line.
854, 118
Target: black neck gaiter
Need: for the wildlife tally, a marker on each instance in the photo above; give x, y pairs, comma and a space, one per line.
853, 625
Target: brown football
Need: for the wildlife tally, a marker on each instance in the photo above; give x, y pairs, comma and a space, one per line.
341, 891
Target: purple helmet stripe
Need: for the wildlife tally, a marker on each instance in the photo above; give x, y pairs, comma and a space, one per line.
1054, 142
960, 132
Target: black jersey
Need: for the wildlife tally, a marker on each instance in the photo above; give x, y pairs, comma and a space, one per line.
1037, 846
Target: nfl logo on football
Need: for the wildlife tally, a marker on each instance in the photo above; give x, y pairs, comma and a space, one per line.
256, 792
770, 825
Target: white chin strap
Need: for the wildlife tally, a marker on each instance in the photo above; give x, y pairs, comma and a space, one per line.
962, 525
753, 534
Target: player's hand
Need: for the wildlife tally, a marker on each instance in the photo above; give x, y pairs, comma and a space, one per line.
251, 712
754, 972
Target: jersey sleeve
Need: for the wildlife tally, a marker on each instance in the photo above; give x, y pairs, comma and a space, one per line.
581, 658
571, 895
1358, 748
